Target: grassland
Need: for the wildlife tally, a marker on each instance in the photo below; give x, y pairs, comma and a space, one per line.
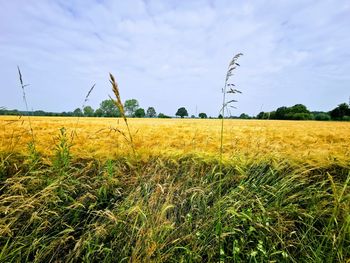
285, 194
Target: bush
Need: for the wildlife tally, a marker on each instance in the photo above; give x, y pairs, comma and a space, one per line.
299, 116
322, 117
163, 116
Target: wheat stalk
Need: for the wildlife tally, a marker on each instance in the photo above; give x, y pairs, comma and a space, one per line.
82, 107
26, 104
231, 67
119, 104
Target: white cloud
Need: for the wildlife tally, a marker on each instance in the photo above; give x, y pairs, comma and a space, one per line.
169, 54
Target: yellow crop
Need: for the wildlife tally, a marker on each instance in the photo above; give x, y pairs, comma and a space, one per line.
311, 141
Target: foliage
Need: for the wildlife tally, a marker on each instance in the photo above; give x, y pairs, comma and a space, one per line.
99, 211
98, 112
131, 106
202, 115
88, 111
339, 112
322, 116
151, 112
163, 116
244, 116
108, 109
296, 112
263, 115
140, 113
182, 112
62, 155
78, 112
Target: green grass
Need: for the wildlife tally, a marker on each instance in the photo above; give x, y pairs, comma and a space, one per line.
165, 210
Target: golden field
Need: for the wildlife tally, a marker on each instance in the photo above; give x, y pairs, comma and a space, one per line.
281, 195
307, 141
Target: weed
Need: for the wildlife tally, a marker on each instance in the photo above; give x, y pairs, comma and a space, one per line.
62, 156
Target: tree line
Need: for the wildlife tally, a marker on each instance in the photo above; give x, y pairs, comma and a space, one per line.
300, 112
107, 108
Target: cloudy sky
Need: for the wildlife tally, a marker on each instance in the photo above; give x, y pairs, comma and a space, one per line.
169, 54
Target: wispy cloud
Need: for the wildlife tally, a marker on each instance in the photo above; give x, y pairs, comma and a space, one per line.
169, 54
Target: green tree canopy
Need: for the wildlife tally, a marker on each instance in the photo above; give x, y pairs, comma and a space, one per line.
340, 111
296, 112
182, 112
322, 116
202, 115
281, 113
244, 116
263, 115
78, 112
98, 113
88, 111
163, 116
140, 113
298, 108
151, 112
109, 109
131, 106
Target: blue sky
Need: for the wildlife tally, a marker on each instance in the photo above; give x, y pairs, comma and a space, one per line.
169, 54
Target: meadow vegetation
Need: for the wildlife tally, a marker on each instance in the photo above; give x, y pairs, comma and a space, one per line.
284, 191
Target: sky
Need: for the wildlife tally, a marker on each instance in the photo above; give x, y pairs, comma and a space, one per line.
169, 54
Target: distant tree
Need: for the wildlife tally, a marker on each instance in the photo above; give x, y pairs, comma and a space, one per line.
182, 112
77, 112
40, 113
140, 113
131, 106
202, 115
281, 113
3, 111
220, 116
300, 116
339, 112
193, 117
263, 115
322, 116
298, 108
109, 109
260, 115
88, 111
272, 115
69, 113
163, 116
98, 113
244, 116
151, 112
296, 112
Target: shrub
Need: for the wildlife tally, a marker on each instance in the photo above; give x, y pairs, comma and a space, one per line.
322, 117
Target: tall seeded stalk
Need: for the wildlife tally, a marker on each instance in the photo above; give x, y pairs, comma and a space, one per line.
26, 103
82, 107
119, 104
227, 89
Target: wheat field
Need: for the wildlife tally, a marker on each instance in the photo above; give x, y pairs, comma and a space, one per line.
81, 191
310, 141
